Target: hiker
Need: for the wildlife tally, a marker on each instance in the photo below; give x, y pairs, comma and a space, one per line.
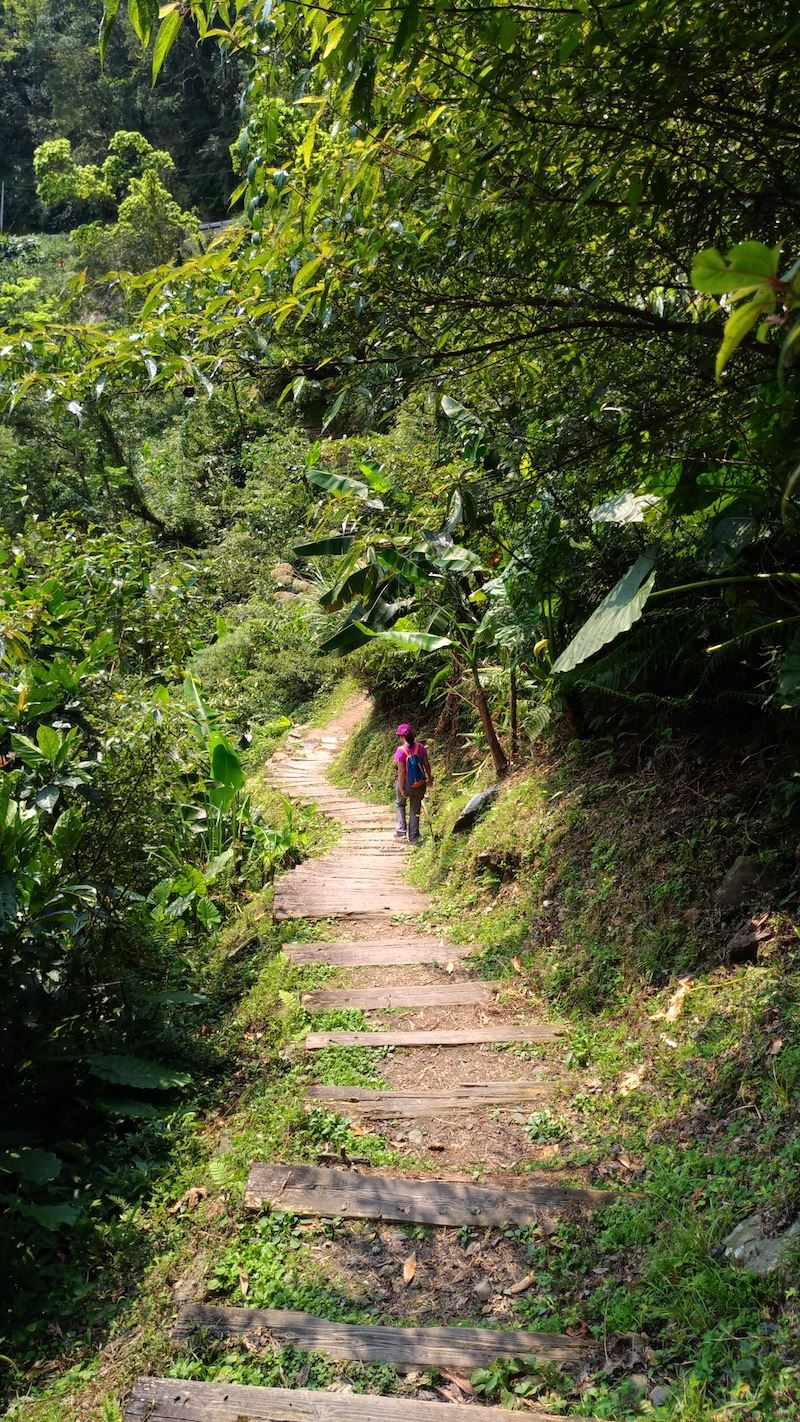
413, 778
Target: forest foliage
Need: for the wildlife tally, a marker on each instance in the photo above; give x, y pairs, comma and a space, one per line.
495, 360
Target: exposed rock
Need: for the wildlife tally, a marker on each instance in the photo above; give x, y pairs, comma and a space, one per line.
483, 1290
503, 862
750, 1248
282, 573
474, 808
660, 1395
301, 585
285, 596
745, 945
740, 879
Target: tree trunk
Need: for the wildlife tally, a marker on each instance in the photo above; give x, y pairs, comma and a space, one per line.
512, 696
499, 758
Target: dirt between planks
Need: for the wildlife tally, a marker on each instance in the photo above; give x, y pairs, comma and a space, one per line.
454, 1276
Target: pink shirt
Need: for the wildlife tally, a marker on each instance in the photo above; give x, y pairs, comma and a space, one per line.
406, 750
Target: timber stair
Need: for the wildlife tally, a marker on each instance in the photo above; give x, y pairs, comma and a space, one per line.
331, 1193
361, 881
171, 1400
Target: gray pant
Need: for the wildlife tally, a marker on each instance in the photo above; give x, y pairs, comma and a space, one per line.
415, 798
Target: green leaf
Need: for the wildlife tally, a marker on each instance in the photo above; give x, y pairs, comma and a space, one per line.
375, 477
740, 323
331, 414
110, 11
415, 641
321, 547
404, 567
789, 676
355, 585
168, 32
179, 997
49, 742
347, 639
143, 15
134, 1110
337, 483
226, 767
67, 832
136, 1072
50, 1217
409, 24
743, 268
35, 1167
617, 612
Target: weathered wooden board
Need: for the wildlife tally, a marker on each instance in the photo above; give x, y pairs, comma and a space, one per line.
378, 1343
168, 1400
370, 953
436, 1037
342, 1194
418, 995
361, 1101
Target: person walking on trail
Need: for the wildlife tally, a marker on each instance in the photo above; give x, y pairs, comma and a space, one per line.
413, 778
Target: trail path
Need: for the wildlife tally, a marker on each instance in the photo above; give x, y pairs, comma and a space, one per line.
468, 1063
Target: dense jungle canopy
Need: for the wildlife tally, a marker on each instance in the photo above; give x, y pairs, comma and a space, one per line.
482, 385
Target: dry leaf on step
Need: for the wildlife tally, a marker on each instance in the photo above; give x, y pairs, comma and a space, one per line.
522, 1285
775, 1046
244, 1285
675, 1004
409, 1269
516, 965
463, 1383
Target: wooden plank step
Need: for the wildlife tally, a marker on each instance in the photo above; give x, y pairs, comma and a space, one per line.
418, 995
171, 1400
436, 1037
362, 1101
370, 953
344, 1194
378, 1343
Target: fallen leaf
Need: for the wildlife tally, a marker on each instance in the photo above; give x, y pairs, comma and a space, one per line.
244, 1285
410, 1269
516, 965
189, 1199
775, 1046
463, 1383
631, 1080
670, 1041
522, 1285
675, 1004
626, 1162
451, 967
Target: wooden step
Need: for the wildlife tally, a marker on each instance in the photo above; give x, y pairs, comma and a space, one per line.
171, 1400
377, 1343
371, 953
437, 1037
361, 1101
343, 1194
419, 995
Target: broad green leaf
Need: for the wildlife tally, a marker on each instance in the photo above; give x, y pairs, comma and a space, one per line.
35, 1167
740, 323
337, 483
226, 767
743, 268
49, 742
136, 1072
347, 639
617, 612
354, 585
400, 564
168, 32
415, 641
375, 477
409, 24
50, 1217
133, 1110
67, 832
322, 547
331, 414
788, 693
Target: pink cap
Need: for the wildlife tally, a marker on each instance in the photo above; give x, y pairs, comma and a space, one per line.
404, 729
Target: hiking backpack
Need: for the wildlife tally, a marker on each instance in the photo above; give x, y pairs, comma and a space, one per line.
415, 770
